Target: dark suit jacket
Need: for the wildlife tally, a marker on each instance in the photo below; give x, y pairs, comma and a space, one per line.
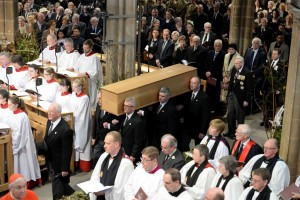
198, 57
60, 146
264, 34
165, 58
100, 132
197, 113
176, 161
215, 66
90, 34
81, 27
255, 150
210, 43
52, 17
277, 75
59, 21
133, 135
199, 21
257, 66
216, 23
243, 89
149, 19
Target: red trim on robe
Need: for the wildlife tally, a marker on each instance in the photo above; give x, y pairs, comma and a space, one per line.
245, 151
19, 110
80, 94
12, 87
53, 47
155, 170
73, 50
65, 93
89, 54
4, 106
22, 69
85, 166
51, 81
31, 184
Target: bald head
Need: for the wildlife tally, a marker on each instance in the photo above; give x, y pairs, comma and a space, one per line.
214, 194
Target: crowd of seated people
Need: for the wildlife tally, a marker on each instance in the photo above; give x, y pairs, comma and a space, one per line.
196, 34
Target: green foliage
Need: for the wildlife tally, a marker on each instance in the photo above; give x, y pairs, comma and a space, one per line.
78, 195
27, 46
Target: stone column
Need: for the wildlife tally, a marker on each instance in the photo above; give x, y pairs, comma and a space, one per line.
8, 19
290, 138
121, 38
241, 23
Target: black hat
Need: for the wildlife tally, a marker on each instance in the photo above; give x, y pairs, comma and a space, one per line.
232, 45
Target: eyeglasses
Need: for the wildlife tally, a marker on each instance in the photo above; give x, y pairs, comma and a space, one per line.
145, 160
128, 106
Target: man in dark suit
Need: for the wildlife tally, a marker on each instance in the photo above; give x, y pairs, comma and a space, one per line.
94, 32
199, 18
39, 26
196, 56
255, 58
132, 130
272, 87
154, 15
215, 62
216, 20
196, 117
101, 128
162, 118
165, 50
207, 37
239, 95
59, 143
264, 33
243, 148
58, 16
76, 23
170, 156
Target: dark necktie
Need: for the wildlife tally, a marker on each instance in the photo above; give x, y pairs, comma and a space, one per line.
50, 128
272, 65
240, 149
158, 109
237, 74
126, 120
193, 97
166, 158
162, 48
216, 53
252, 59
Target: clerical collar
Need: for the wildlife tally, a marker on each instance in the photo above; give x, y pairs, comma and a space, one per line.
65, 93
70, 51
4, 106
89, 54
154, 170
22, 69
80, 94
51, 81
53, 47
19, 110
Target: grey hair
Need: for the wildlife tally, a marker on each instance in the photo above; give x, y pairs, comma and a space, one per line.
202, 148
70, 41
218, 41
131, 100
229, 162
240, 58
52, 36
207, 23
256, 39
246, 129
165, 90
75, 15
57, 107
172, 142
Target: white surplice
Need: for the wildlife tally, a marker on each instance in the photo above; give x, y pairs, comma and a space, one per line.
91, 65
163, 194
247, 190
233, 189
63, 100
68, 60
117, 192
80, 106
49, 91
20, 78
280, 175
203, 182
50, 55
24, 151
139, 178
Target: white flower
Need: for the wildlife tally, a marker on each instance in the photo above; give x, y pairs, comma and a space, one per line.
276, 68
173, 157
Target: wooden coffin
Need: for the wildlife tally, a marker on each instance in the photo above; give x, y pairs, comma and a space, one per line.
145, 87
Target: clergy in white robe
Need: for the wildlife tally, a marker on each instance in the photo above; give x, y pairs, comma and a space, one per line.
217, 145
34, 74
148, 176
51, 87
23, 146
51, 54
80, 106
5, 63
89, 65
227, 180
20, 75
69, 56
198, 174
112, 168
280, 173
259, 189
172, 188
63, 97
